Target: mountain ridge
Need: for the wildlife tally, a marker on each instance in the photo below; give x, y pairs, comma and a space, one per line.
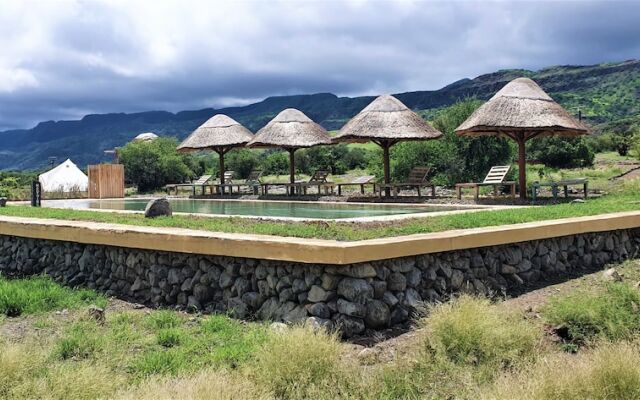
608, 95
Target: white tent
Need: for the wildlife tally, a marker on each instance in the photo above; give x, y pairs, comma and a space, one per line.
66, 177
145, 137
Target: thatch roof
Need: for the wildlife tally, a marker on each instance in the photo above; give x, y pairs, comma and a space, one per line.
290, 129
521, 106
145, 137
220, 131
386, 118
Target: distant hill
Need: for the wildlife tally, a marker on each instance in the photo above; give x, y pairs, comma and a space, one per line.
608, 95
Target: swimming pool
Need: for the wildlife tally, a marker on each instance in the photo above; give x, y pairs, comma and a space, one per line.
258, 208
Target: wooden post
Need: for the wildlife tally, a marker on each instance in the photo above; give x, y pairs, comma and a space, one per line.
387, 170
522, 165
220, 151
292, 171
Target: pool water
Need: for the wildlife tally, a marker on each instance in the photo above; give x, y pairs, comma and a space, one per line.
257, 208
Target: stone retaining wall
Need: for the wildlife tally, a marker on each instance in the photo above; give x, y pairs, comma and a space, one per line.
353, 298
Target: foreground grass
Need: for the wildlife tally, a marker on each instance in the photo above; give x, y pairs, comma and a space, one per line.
625, 199
40, 294
468, 348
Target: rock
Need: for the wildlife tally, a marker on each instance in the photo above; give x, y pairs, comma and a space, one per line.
412, 299
329, 281
299, 313
457, 278
252, 299
507, 269
349, 326
174, 276
398, 316
577, 201
316, 323
513, 255
379, 288
225, 281
318, 294
237, 308
278, 327
356, 290
390, 299
193, 305
157, 208
360, 271
377, 314
414, 277
96, 313
612, 275
202, 293
3, 201
351, 309
396, 282
320, 310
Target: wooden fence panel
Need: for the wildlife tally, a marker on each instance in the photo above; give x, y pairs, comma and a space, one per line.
106, 181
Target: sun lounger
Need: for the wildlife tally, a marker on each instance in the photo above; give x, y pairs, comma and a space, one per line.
418, 178
496, 178
360, 181
319, 179
202, 181
564, 184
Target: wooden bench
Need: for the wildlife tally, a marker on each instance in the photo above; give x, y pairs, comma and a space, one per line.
495, 177
556, 185
360, 181
318, 179
198, 182
418, 178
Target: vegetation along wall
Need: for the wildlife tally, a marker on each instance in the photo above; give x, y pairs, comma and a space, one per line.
353, 298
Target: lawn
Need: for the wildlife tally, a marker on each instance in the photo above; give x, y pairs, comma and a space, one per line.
467, 348
624, 199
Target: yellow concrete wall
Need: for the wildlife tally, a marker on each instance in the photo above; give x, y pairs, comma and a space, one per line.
306, 250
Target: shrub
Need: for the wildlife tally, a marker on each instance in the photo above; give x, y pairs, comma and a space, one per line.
276, 163
299, 363
469, 330
453, 158
242, 162
80, 341
170, 337
151, 165
40, 294
163, 319
609, 372
203, 386
612, 313
559, 152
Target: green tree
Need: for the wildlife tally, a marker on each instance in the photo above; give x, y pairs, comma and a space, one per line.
559, 152
276, 163
453, 158
151, 165
242, 162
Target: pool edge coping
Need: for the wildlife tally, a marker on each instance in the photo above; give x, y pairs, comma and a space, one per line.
303, 250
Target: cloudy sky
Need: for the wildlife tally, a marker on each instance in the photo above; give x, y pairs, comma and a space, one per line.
65, 59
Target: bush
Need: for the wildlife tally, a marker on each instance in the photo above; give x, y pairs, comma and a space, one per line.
41, 294
276, 163
242, 162
454, 159
299, 363
609, 372
469, 330
558, 152
612, 313
151, 165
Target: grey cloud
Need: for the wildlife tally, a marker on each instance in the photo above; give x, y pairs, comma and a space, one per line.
127, 57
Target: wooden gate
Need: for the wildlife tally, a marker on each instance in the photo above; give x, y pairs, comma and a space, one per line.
106, 181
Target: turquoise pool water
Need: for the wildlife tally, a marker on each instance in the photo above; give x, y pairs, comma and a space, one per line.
257, 208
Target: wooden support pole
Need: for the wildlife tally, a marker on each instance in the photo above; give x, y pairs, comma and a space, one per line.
522, 165
292, 171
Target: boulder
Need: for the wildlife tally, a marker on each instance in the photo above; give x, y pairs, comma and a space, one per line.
377, 314
355, 290
349, 326
351, 309
157, 208
3, 201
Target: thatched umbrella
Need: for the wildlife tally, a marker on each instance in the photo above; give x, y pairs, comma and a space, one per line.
521, 111
220, 133
385, 122
290, 130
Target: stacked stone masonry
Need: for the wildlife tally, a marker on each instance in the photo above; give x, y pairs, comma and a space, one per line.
353, 298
